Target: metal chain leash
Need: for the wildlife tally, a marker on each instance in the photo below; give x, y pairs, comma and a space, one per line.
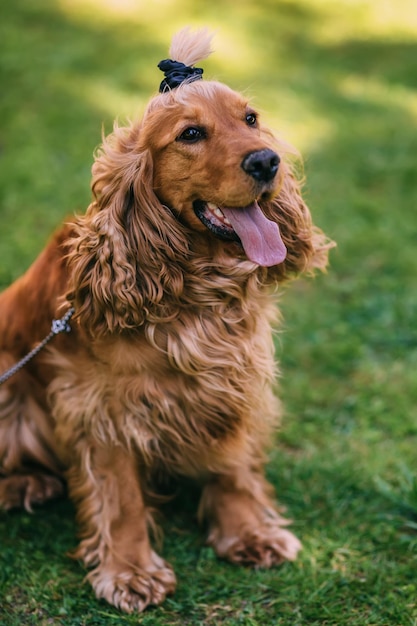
58, 326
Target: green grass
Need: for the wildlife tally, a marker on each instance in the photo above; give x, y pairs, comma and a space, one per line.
339, 80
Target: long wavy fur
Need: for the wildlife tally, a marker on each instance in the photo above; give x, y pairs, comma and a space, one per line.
169, 368
126, 256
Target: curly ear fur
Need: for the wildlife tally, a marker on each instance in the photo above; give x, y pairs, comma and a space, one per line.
120, 258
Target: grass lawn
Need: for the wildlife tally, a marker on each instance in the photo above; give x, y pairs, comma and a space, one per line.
337, 78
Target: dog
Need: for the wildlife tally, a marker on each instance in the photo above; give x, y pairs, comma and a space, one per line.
168, 369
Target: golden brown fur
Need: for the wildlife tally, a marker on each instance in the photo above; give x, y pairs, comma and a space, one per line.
169, 365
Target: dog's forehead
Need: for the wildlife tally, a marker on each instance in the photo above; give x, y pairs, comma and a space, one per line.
208, 93
208, 104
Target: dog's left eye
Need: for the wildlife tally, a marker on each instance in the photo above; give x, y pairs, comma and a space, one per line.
251, 119
192, 134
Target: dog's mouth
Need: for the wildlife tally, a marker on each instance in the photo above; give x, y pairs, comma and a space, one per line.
259, 236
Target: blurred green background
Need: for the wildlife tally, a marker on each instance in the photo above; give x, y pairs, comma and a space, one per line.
338, 79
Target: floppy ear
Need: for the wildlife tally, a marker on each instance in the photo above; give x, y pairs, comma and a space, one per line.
307, 246
120, 259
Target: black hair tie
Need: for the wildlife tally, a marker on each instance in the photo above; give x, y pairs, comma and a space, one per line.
176, 73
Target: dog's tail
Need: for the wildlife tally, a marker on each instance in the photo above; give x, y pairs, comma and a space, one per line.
190, 47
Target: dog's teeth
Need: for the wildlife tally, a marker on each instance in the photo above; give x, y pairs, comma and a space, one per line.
213, 208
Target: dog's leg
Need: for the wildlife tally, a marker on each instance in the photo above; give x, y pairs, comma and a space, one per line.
244, 525
113, 520
28, 467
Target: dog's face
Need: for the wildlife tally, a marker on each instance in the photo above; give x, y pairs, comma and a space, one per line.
213, 164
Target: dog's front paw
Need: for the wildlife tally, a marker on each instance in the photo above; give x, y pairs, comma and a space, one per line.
131, 588
255, 537
264, 546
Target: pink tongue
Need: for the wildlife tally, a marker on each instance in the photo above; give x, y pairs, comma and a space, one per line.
260, 237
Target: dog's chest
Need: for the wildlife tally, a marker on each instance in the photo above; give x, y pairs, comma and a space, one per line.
193, 344
186, 387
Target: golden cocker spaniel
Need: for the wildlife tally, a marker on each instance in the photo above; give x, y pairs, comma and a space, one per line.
168, 369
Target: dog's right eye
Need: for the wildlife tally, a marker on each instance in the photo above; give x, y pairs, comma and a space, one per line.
192, 134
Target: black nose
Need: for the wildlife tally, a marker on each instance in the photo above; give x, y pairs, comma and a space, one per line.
262, 165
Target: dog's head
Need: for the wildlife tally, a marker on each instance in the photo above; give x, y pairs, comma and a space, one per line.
198, 178
214, 166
